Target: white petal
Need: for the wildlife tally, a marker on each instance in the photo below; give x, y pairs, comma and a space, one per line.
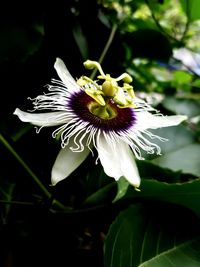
65, 76
118, 161
41, 119
109, 158
128, 165
66, 162
146, 120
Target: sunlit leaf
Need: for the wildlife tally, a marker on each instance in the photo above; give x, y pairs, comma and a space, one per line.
181, 76
191, 8
182, 80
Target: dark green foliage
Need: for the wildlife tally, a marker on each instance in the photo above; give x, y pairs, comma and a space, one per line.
89, 219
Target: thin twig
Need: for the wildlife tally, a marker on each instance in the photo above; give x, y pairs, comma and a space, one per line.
25, 166
105, 50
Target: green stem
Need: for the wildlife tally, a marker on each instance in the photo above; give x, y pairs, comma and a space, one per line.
55, 202
6, 202
25, 166
105, 50
159, 25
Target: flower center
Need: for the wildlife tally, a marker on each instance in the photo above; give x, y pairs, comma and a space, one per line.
104, 112
107, 118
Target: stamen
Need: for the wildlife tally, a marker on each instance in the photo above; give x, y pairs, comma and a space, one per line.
89, 64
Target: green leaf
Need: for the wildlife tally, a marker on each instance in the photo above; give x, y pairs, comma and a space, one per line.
149, 170
182, 80
100, 188
145, 232
180, 152
191, 8
182, 77
196, 82
177, 137
186, 254
81, 40
102, 196
122, 186
187, 107
185, 159
121, 245
6, 193
185, 194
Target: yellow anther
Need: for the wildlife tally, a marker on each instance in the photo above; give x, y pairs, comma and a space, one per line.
125, 77
106, 77
81, 81
96, 95
120, 98
89, 64
109, 89
129, 90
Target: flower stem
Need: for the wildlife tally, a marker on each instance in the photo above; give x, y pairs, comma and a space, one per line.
25, 166
105, 50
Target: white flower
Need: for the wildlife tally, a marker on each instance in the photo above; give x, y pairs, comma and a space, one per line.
104, 116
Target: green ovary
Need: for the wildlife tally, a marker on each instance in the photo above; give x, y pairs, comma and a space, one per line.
104, 112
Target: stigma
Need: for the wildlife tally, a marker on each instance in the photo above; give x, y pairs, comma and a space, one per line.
108, 89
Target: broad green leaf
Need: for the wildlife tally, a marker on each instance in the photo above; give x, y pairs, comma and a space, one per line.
187, 107
180, 152
123, 241
149, 170
191, 8
177, 137
143, 232
186, 194
186, 159
185, 254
